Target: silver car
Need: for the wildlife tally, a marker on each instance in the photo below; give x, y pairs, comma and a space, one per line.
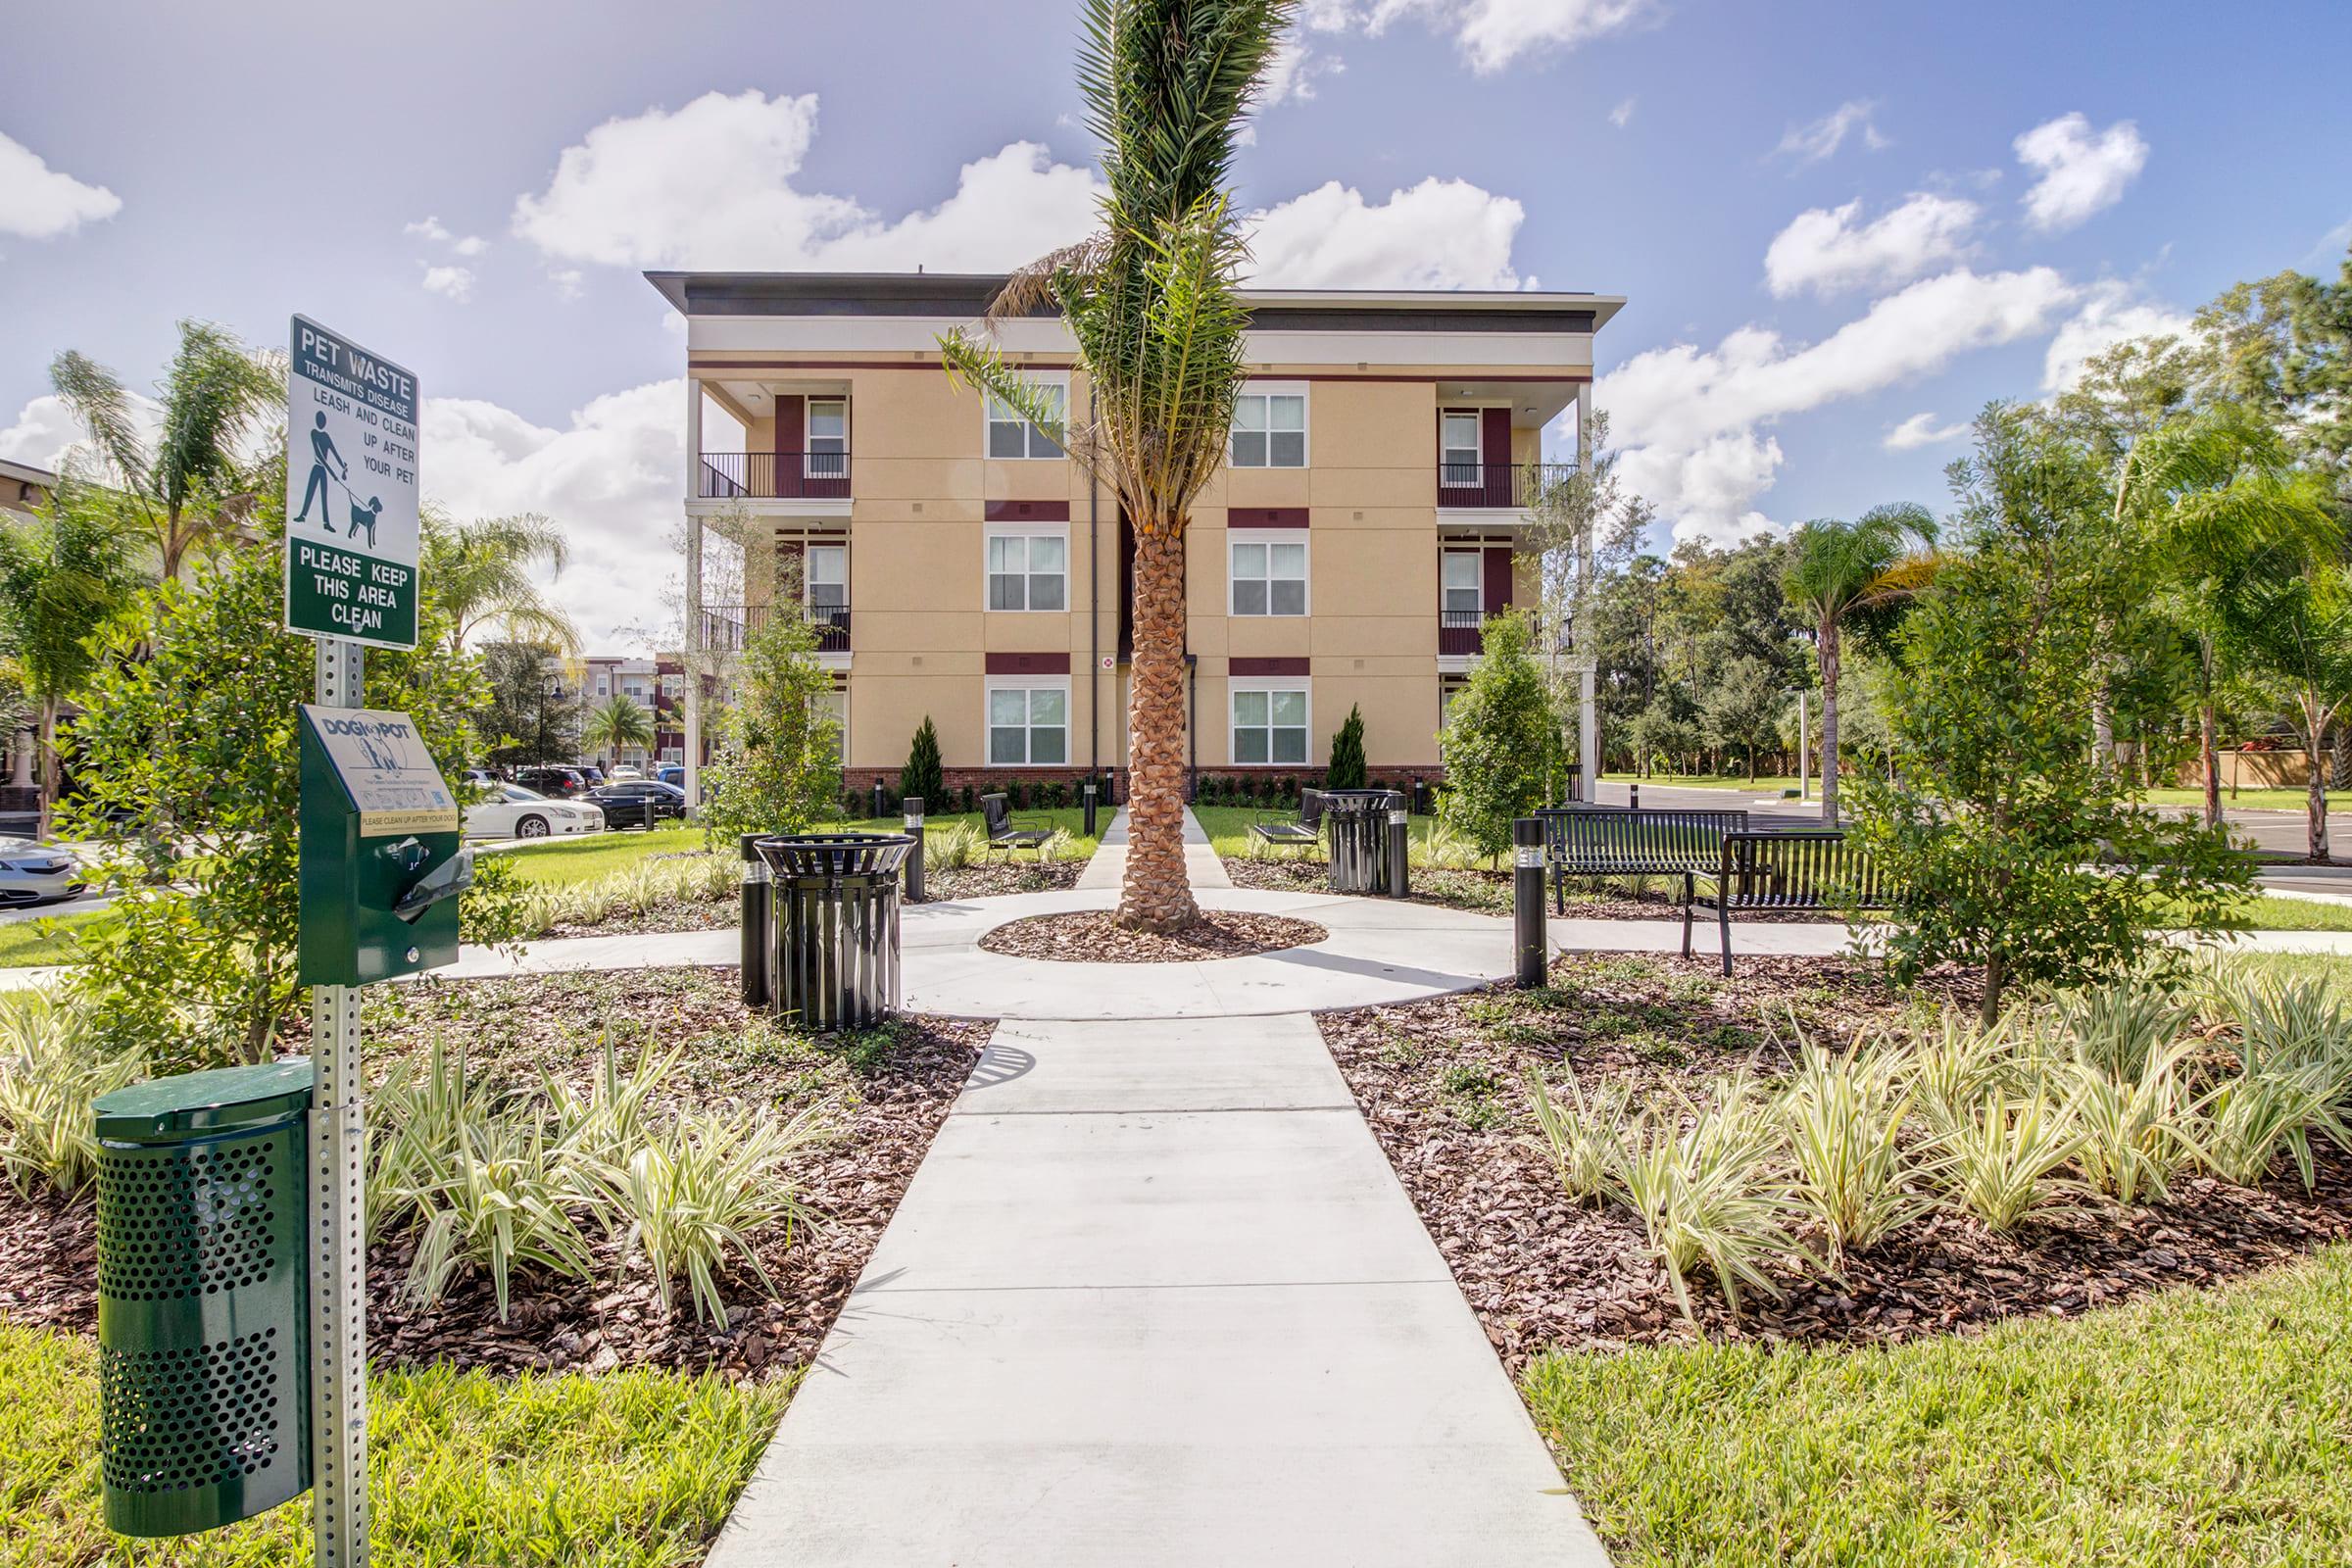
32, 874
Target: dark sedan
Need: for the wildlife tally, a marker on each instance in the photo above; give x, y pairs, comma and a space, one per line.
637, 802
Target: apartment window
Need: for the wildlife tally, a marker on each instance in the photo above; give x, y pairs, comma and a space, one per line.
828, 438
1029, 723
1010, 435
1458, 451
1269, 725
828, 573
1269, 430
1460, 579
1028, 569
834, 704
1269, 574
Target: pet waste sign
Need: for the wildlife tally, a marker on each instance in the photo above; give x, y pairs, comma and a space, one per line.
351, 492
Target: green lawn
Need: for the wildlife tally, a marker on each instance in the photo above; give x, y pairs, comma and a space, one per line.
25, 943
1071, 819
1228, 826
565, 862
626, 1470
2252, 800
2189, 1429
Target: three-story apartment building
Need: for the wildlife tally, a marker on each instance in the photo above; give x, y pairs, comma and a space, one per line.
1383, 455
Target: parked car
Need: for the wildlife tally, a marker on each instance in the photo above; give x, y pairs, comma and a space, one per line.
557, 782
517, 812
672, 773
594, 774
624, 774
638, 803
32, 873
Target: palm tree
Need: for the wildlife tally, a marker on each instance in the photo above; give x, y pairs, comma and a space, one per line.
62, 574
1153, 304
617, 724
482, 573
1837, 569
193, 483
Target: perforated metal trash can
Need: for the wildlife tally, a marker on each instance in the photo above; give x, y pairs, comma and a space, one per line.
834, 911
1356, 824
203, 1297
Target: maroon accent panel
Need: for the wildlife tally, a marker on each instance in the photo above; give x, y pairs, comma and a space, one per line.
792, 424
1494, 436
1028, 663
1027, 511
1266, 667
1265, 517
1498, 594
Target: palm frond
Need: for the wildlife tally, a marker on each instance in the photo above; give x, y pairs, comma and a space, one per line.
99, 402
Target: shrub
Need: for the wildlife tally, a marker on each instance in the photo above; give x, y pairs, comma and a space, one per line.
2002, 1157
695, 1189
499, 1198
951, 848
2135, 1123
52, 1064
922, 779
1346, 769
967, 801
1842, 1117
779, 756
1706, 1196
1584, 1138
1500, 740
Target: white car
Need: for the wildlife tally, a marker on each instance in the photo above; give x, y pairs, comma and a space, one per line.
624, 774
32, 873
516, 812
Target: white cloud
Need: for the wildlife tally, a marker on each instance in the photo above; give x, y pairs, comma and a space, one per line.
1689, 418
2083, 172
2111, 313
433, 230
711, 185
1622, 115
450, 282
37, 202
1442, 233
1821, 138
1828, 249
1489, 34
610, 477
1294, 71
1922, 431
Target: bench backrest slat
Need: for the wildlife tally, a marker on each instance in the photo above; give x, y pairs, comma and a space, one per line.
1665, 839
1797, 871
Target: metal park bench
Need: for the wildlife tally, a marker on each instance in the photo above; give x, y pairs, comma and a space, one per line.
1301, 832
1588, 841
1774, 871
1007, 832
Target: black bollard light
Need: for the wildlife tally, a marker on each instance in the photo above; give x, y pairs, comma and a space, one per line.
1633, 796
1400, 841
877, 810
912, 808
1527, 899
756, 944
1090, 808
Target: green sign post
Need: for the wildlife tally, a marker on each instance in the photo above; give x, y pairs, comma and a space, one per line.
351, 492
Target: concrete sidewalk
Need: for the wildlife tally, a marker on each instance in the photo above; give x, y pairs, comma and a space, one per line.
1156, 1297
1108, 867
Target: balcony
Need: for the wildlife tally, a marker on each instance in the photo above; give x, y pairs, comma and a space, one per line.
774, 476
832, 625
1461, 634
1511, 485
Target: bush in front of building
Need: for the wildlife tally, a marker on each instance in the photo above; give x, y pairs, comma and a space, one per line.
922, 779
778, 768
1347, 770
1500, 741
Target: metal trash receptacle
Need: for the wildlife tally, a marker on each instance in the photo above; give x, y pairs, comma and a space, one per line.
833, 914
203, 1297
1356, 824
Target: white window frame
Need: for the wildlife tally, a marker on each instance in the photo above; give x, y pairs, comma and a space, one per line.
991, 533
1032, 436
1260, 392
1235, 538
808, 582
1269, 687
832, 695
1025, 684
810, 468
1477, 447
1478, 579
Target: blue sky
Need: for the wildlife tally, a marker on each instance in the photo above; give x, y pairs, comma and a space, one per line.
1841, 227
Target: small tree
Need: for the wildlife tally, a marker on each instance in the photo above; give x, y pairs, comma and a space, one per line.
62, 574
618, 723
2008, 843
1347, 765
1500, 740
2291, 624
529, 713
922, 777
188, 734
779, 767
1743, 709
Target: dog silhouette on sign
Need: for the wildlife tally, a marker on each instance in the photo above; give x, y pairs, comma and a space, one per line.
365, 518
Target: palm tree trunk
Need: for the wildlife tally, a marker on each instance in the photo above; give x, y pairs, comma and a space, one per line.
2208, 735
1156, 895
1829, 722
2315, 724
52, 781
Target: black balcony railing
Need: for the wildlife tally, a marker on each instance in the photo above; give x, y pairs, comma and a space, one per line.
832, 623
775, 477
1497, 484
1461, 632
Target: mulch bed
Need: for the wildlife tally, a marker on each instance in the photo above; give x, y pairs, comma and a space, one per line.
1489, 892
885, 1093
1444, 1085
987, 879
674, 914
1095, 936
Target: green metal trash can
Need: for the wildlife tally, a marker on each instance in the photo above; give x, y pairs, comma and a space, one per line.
203, 1297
